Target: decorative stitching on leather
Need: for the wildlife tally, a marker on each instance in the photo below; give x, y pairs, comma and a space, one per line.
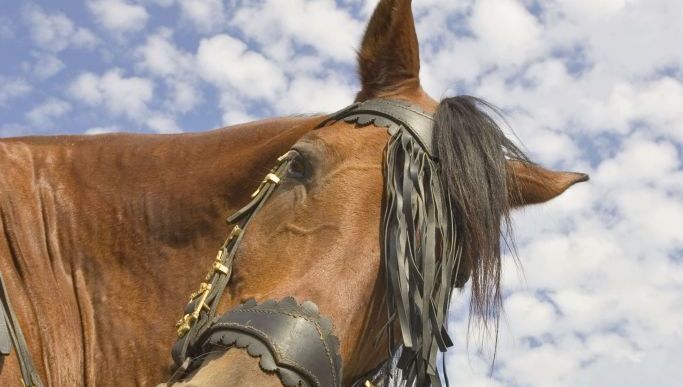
307, 318
247, 327
412, 108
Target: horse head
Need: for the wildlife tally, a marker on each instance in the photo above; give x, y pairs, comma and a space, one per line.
321, 236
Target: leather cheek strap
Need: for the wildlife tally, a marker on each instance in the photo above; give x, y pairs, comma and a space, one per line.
11, 335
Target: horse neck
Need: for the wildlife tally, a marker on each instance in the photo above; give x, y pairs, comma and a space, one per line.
118, 230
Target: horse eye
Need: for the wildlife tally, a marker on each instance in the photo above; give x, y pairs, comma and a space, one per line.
298, 168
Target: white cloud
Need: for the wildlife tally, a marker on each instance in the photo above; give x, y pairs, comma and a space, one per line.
119, 16
594, 9
235, 117
123, 96
184, 96
162, 58
657, 103
102, 130
44, 114
86, 88
582, 78
11, 88
506, 30
315, 95
160, 3
630, 51
162, 123
228, 63
611, 294
457, 60
435, 17
55, 32
330, 30
234, 110
126, 96
599, 303
640, 161
205, 15
47, 65
544, 144
549, 364
598, 101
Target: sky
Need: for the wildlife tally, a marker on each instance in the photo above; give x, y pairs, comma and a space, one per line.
594, 86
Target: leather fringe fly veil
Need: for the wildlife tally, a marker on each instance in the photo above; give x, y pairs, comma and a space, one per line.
420, 249
420, 256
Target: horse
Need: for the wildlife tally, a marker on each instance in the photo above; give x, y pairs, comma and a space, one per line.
103, 237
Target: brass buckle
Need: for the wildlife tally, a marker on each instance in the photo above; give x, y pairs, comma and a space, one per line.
270, 178
185, 323
202, 288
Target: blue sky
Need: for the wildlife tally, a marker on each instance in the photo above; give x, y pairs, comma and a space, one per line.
588, 85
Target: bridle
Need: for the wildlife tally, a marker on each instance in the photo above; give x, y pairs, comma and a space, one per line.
420, 258
200, 312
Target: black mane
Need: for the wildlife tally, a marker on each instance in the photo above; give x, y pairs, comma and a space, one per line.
472, 151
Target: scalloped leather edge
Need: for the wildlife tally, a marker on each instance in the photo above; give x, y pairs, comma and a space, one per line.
257, 349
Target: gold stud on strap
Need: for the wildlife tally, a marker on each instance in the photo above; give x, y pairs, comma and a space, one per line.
236, 231
202, 288
184, 325
273, 178
220, 268
201, 303
285, 156
270, 178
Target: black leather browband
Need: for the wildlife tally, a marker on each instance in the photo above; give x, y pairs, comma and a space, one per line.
390, 114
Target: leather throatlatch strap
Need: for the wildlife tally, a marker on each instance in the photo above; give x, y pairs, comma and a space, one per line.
290, 339
11, 335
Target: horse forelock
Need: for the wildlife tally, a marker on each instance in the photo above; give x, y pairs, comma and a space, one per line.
473, 151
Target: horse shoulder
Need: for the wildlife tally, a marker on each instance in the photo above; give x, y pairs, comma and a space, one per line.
39, 283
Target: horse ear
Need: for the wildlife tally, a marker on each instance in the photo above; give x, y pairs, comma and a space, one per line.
389, 57
531, 184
